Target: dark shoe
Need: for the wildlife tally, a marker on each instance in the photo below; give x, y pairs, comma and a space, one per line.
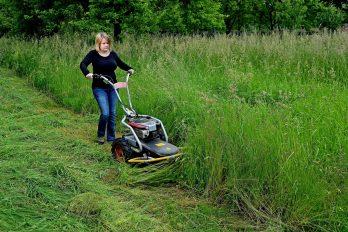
100, 140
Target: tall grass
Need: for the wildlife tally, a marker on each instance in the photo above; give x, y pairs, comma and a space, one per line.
263, 119
54, 177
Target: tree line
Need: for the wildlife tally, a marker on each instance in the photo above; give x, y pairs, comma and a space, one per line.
47, 17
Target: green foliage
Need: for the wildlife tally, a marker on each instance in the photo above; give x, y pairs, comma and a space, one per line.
326, 16
140, 18
286, 14
291, 14
41, 18
170, 17
303, 14
204, 16
8, 17
134, 16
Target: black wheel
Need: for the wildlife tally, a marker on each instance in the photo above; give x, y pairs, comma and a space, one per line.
121, 151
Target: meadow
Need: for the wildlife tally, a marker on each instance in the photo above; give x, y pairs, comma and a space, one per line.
54, 177
263, 119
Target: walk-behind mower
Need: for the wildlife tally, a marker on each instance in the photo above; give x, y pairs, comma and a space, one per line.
145, 139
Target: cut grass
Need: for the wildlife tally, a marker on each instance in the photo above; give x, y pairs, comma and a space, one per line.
54, 177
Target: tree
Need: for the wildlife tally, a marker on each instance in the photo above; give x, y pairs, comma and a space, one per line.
46, 17
8, 17
204, 16
291, 14
170, 16
38, 18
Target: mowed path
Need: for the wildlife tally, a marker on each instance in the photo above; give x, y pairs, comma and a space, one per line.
54, 177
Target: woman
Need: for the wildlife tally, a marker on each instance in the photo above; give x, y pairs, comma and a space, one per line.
104, 61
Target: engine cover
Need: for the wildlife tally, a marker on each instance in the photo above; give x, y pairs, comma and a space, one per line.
145, 127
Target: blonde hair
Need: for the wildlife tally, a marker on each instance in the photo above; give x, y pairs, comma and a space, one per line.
98, 39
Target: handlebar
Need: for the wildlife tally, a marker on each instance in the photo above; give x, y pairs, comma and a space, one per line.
102, 76
99, 76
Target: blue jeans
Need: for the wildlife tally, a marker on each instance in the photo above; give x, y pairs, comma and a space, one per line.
107, 101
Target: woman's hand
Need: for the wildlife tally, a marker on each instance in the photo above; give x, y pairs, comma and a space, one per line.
89, 76
131, 71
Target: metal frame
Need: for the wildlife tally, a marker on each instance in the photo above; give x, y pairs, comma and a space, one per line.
131, 112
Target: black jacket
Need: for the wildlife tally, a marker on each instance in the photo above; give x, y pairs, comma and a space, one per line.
102, 65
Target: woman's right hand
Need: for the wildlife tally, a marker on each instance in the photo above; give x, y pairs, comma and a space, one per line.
89, 76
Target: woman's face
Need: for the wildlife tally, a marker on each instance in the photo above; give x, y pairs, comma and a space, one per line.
104, 45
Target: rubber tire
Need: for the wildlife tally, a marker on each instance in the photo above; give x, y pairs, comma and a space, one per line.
120, 150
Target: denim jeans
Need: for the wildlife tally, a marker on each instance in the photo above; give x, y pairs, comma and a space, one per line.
107, 101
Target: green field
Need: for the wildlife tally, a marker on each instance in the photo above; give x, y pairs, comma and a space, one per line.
263, 118
54, 177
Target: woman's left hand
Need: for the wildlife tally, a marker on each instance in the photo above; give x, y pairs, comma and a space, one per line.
131, 71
